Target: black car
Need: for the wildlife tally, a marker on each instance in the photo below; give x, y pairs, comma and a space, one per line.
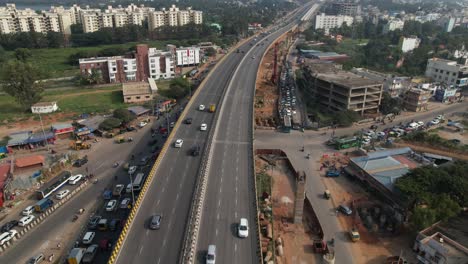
188, 121
195, 150
154, 149
93, 222
114, 224
9, 225
81, 162
153, 142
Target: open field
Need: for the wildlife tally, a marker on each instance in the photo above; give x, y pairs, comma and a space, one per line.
78, 100
54, 62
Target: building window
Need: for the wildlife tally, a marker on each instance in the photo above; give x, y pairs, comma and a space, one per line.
129, 98
138, 97
147, 96
441, 71
436, 70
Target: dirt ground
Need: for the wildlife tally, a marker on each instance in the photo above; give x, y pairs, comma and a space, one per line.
296, 238
426, 148
373, 247
266, 94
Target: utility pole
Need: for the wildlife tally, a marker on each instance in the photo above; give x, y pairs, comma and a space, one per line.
43, 133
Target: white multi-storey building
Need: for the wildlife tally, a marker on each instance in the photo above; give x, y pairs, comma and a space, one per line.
393, 24
161, 64
326, 22
174, 17
409, 44
188, 56
448, 72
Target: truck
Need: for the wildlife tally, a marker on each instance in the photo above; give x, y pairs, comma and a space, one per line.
212, 108
118, 189
75, 256
43, 204
107, 195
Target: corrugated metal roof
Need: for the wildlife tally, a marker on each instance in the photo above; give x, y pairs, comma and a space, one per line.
138, 110
19, 138
40, 136
59, 126
29, 161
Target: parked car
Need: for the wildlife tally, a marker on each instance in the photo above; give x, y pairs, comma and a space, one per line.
142, 124
132, 169
75, 179
7, 236
124, 204
345, 209
203, 127
172, 124
9, 225
61, 194
26, 220
155, 222
434, 122
114, 224
178, 143
88, 238
28, 210
93, 222
111, 205
90, 253
144, 161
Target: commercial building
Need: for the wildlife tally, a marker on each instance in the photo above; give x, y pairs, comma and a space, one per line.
380, 169
393, 24
188, 56
443, 243
394, 85
415, 99
44, 107
137, 67
59, 19
409, 44
448, 72
345, 7
138, 92
327, 22
446, 94
339, 90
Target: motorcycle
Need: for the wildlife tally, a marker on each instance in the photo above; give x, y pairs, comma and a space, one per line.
75, 217
115, 165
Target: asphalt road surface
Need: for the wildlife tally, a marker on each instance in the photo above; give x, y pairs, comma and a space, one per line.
230, 192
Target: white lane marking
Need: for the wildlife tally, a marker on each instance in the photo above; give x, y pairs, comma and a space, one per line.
159, 260
163, 189
217, 216
216, 232
235, 213
157, 203
235, 247
219, 203
141, 249
236, 201
220, 189
177, 197
164, 242
147, 232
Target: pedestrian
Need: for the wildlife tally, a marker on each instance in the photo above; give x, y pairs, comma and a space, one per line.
59, 246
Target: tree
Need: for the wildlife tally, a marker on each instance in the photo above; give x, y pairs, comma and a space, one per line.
178, 88
390, 105
110, 123
210, 52
20, 81
422, 218
124, 115
22, 54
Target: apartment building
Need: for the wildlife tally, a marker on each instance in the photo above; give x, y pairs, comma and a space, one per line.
188, 56
410, 43
59, 19
339, 90
448, 72
345, 8
393, 25
137, 67
327, 22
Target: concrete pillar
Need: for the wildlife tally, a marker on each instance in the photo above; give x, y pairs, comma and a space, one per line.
300, 196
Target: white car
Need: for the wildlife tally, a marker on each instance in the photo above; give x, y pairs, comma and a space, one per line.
366, 141
142, 124
110, 206
26, 220
74, 179
203, 127
201, 108
420, 123
369, 133
434, 122
7, 236
178, 143
60, 195
381, 134
28, 210
172, 124
88, 237
132, 169
243, 228
440, 117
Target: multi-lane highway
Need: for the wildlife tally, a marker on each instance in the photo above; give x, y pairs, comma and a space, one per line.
171, 190
230, 192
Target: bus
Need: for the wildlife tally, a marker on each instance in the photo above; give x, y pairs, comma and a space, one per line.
345, 143
53, 185
139, 181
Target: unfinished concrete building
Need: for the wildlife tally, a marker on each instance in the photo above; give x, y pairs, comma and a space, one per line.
339, 90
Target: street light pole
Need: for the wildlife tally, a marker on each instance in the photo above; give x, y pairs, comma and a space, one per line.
43, 132
131, 184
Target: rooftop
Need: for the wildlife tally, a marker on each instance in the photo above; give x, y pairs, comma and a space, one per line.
29, 161
135, 88
388, 165
42, 104
346, 79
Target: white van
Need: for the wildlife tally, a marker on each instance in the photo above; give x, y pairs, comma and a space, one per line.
211, 255
7, 236
88, 238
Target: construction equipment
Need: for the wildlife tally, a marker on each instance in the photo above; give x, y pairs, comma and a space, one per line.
354, 235
119, 140
78, 144
212, 108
